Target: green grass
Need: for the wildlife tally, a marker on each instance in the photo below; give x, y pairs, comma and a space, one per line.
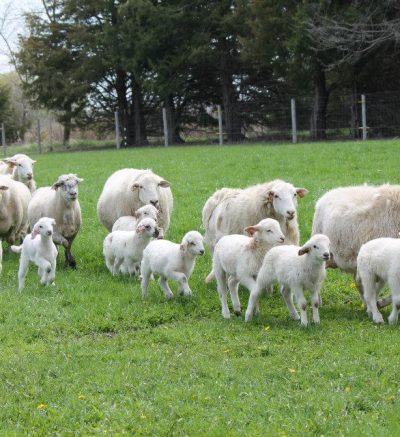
96, 359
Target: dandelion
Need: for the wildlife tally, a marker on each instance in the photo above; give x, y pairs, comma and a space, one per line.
347, 389
391, 398
41, 406
267, 328
291, 370
81, 397
353, 285
226, 351
143, 416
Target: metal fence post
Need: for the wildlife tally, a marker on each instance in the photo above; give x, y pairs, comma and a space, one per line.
117, 136
3, 139
39, 138
220, 131
165, 124
294, 122
364, 117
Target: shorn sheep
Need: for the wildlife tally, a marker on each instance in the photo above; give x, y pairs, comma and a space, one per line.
237, 259
351, 216
377, 265
126, 247
20, 168
60, 202
38, 247
296, 269
230, 210
171, 261
129, 223
127, 190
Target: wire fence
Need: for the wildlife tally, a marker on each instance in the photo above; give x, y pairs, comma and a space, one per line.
339, 117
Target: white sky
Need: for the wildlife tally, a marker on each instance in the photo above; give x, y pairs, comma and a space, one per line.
12, 24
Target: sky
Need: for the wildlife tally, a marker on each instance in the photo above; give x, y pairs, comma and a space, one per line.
12, 24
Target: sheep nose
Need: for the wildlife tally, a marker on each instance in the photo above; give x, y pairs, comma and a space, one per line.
49, 233
202, 252
154, 202
282, 239
291, 213
29, 175
326, 255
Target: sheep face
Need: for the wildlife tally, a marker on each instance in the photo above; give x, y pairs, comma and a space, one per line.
147, 211
192, 243
68, 185
148, 190
318, 246
43, 227
284, 199
267, 230
147, 227
23, 168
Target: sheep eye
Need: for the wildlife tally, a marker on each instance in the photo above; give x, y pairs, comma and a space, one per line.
40, 226
19, 165
192, 243
140, 186
269, 231
147, 227
315, 247
295, 194
276, 196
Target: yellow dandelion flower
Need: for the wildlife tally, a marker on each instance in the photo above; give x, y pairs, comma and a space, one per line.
226, 351
291, 370
143, 416
267, 328
41, 406
391, 398
347, 389
353, 285
81, 397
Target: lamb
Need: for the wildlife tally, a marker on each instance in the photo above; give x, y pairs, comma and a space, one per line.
351, 216
296, 269
127, 190
230, 210
171, 261
127, 246
129, 223
20, 168
237, 259
60, 202
377, 265
41, 251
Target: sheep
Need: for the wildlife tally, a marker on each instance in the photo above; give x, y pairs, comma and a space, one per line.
296, 269
20, 168
351, 216
127, 246
60, 202
377, 265
41, 251
171, 261
127, 190
129, 223
240, 257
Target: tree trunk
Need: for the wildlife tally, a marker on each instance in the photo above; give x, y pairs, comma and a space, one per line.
67, 119
321, 97
138, 116
122, 103
173, 127
355, 116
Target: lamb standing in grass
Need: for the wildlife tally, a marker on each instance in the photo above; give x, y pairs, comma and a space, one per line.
171, 261
129, 222
296, 269
127, 246
237, 259
39, 248
377, 265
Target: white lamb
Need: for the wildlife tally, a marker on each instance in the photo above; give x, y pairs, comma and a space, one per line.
127, 246
130, 222
238, 258
296, 269
38, 247
171, 261
377, 265
20, 168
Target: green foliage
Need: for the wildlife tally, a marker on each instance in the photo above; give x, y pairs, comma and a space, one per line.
88, 356
8, 114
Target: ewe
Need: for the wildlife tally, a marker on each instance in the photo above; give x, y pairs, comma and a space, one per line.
296, 269
20, 168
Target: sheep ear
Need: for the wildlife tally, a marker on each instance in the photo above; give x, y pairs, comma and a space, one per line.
34, 232
135, 187
182, 247
33, 161
164, 184
57, 185
3, 187
301, 192
78, 179
135, 214
251, 230
270, 195
303, 250
53, 222
11, 162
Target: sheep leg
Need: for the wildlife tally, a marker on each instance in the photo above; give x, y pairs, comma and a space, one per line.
69, 258
394, 286
182, 281
254, 298
22, 271
165, 287
360, 287
44, 271
117, 264
301, 301
1, 256
145, 273
315, 302
52, 275
233, 285
384, 302
288, 297
220, 276
371, 289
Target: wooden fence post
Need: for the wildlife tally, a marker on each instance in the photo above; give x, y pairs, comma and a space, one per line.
165, 124
220, 131
364, 117
294, 121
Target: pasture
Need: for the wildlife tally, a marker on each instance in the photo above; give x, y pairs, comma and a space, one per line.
89, 357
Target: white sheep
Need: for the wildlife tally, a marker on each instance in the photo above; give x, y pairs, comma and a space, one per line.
20, 167
129, 223
171, 261
237, 259
127, 190
60, 202
38, 247
296, 269
351, 216
126, 247
377, 265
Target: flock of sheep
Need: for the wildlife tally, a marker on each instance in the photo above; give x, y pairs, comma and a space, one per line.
252, 233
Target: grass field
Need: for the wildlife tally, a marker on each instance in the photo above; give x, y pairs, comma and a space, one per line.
89, 357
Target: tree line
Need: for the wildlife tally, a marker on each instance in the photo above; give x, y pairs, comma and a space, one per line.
86, 59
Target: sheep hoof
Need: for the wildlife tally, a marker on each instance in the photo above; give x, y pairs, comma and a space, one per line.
238, 312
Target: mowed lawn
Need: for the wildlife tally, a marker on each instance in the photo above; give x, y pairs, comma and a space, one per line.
89, 357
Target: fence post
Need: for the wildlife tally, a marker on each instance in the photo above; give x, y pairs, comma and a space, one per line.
117, 137
294, 122
39, 138
165, 124
220, 131
3, 139
364, 117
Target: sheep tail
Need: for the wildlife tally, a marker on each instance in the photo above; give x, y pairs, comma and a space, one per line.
210, 277
16, 249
